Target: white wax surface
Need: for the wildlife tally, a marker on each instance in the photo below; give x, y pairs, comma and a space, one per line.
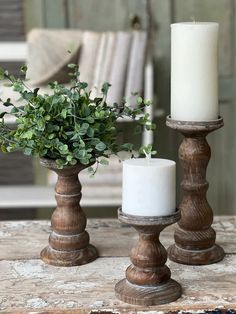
149, 187
194, 71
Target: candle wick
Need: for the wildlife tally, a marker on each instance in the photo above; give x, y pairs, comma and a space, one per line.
193, 19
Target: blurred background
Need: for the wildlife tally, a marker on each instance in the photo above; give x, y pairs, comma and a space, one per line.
26, 190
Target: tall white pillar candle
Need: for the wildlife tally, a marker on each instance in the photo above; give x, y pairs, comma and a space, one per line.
194, 71
149, 187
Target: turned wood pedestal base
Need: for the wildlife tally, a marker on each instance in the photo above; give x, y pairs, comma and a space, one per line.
148, 280
145, 295
68, 241
201, 257
71, 258
194, 236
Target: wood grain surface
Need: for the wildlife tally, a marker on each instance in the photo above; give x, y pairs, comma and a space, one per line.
30, 286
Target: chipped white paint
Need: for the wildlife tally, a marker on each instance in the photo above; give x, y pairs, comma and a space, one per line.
36, 303
28, 284
26, 270
193, 312
150, 312
108, 311
98, 304
4, 233
72, 286
16, 224
226, 225
71, 304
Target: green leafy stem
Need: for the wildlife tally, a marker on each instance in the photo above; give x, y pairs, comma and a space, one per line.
67, 125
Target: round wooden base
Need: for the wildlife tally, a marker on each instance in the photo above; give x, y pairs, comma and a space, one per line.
148, 295
69, 258
197, 257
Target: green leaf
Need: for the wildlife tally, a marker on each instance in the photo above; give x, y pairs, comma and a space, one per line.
83, 129
80, 153
24, 68
104, 161
72, 65
90, 119
147, 102
68, 125
51, 136
127, 146
47, 117
64, 113
2, 114
105, 88
63, 149
73, 162
90, 132
69, 157
7, 103
3, 149
147, 150
139, 100
18, 87
75, 137
36, 91
41, 124
28, 134
60, 163
28, 151
101, 146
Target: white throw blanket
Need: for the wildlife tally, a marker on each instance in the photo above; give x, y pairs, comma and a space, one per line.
114, 57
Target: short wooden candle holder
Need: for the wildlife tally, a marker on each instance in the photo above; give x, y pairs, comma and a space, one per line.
148, 279
68, 241
194, 236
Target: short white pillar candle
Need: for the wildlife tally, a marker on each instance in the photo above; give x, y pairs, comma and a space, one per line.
194, 71
149, 187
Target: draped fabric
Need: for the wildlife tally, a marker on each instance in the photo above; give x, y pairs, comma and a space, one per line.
114, 57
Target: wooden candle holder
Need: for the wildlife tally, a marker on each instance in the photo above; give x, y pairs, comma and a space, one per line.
148, 279
194, 236
68, 241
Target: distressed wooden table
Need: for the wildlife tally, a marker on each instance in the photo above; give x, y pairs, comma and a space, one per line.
27, 285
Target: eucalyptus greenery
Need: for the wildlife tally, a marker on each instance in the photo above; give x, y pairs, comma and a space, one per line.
67, 125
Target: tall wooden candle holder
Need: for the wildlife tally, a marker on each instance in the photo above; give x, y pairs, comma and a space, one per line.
148, 279
68, 241
194, 236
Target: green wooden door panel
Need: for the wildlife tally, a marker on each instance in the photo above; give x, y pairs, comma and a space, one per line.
221, 169
34, 14
46, 13
98, 15
56, 14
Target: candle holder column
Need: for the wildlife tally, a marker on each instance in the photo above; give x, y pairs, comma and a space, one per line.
148, 280
69, 241
194, 236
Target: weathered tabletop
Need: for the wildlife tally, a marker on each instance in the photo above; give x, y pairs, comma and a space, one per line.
27, 285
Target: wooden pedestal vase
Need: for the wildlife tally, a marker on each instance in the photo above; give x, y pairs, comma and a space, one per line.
194, 236
148, 279
68, 241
